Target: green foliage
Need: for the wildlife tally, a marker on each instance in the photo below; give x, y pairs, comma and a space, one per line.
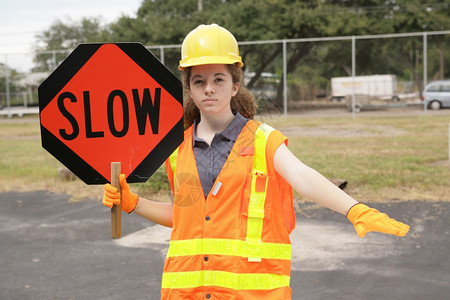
13, 76
156, 184
65, 36
166, 22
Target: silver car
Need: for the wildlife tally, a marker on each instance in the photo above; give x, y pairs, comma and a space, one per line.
437, 94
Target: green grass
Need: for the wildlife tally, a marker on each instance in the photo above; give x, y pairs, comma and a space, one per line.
404, 158
382, 158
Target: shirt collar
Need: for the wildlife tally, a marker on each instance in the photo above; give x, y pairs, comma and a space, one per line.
231, 132
235, 127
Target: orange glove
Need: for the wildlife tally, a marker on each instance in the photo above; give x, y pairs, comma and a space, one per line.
111, 195
368, 219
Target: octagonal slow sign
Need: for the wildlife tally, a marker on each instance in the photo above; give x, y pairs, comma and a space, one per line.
111, 103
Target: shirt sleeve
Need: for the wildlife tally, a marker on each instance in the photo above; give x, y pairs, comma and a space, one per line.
276, 138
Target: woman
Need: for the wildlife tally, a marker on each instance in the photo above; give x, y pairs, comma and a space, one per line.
231, 179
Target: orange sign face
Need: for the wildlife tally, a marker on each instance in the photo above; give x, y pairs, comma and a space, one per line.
117, 104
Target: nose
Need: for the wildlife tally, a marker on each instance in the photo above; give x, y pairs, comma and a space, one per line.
209, 89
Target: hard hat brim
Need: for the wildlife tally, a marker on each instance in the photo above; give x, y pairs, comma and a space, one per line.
210, 60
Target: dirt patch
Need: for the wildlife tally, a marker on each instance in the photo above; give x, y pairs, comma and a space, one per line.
442, 163
360, 130
13, 137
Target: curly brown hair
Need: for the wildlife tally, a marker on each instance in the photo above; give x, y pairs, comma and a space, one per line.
244, 102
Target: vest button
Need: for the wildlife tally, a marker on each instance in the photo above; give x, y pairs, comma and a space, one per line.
207, 218
208, 296
206, 258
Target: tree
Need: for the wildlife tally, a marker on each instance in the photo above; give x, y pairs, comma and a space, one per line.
167, 22
61, 38
401, 56
419, 16
9, 78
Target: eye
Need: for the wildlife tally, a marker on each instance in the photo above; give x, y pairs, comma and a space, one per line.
219, 79
198, 82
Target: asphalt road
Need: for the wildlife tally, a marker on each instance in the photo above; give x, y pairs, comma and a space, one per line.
53, 249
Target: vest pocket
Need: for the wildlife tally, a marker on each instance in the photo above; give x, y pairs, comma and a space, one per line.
254, 202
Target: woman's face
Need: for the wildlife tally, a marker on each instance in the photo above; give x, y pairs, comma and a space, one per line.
211, 88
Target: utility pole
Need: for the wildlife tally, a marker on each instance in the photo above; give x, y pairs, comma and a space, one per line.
200, 5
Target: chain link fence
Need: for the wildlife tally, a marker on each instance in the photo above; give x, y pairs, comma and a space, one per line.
283, 84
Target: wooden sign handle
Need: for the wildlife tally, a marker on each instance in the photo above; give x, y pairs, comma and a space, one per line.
116, 221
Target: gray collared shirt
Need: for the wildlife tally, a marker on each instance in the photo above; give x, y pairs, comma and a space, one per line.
211, 158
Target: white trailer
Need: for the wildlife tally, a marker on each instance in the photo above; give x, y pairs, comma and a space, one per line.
374, 86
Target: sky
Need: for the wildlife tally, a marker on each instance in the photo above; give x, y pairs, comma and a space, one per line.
21, 20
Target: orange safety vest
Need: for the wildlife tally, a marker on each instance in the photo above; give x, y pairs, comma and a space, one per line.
235, 243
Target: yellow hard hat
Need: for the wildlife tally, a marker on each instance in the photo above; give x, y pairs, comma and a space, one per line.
209, 44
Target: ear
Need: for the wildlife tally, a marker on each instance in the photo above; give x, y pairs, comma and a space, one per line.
236, 87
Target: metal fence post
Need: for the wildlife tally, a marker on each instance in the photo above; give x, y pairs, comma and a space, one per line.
425, 68
353, 75
285, 77
8, 95
162, 54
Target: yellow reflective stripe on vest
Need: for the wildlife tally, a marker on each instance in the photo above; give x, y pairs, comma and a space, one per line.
228, 247
173, 163
258, 198
236, 281
173, 160
259, 159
